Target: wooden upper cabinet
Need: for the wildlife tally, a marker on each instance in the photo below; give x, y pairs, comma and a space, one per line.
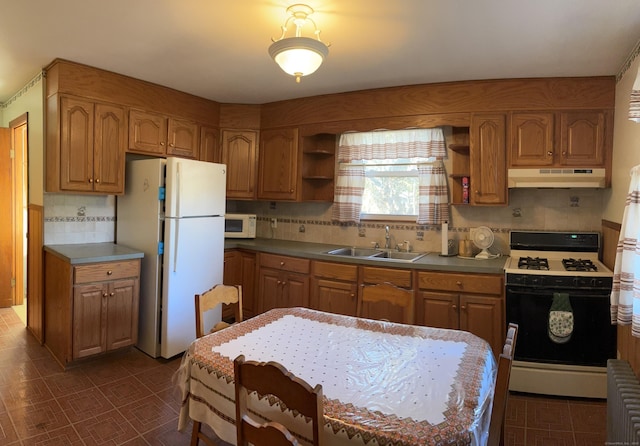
532, 139
239, 154
183, 138
91, 144
278, 164
160, 135
582, 141
210, 145
488, 165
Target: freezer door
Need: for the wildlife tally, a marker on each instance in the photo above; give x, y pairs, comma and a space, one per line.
193, 263
194, 188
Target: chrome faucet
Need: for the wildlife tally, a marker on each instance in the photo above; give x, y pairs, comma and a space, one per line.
387, 238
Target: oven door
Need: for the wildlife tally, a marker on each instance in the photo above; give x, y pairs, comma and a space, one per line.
593, 338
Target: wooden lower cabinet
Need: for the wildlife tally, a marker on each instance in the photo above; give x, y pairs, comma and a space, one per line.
470, 302
240, 269
402, 278
90, 308
283, 281
334, 288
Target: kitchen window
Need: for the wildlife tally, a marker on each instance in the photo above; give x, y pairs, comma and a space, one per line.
392, 175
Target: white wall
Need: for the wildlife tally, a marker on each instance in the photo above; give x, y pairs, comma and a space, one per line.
626, 144
30, 100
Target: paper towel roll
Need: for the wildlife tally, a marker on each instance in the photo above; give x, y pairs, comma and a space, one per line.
445, 239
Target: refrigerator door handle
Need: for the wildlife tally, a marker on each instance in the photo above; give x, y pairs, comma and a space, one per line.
175, 246
179, 189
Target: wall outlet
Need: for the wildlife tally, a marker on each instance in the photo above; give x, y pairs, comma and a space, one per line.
274, 223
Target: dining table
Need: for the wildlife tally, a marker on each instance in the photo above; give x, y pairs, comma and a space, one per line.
383, 383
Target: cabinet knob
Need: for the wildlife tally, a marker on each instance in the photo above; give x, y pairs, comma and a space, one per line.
162, 143
109, 272
549, 153
278, 282
463, 308
290, 191
104, 295
281, 263
90, 180
459, 284
454, 306
564, 153
97, 180
170, 144
112, 293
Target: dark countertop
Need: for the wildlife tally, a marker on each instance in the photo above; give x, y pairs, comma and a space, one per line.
93, 252
318, 251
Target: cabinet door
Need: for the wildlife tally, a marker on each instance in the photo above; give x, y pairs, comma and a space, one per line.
437, 310
76, 144
295, 290
209, 145
483, 316
582, 139
249, 304
183, 138
278, 164
334, 296
109, 148
147, 132
239, 154
122, 314
270, 289
232, 275
531, 139
89, 333
487, 150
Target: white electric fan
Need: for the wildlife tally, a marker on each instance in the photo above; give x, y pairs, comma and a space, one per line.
483, 238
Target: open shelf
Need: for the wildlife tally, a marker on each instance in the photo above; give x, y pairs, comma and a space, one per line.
318, 166
460, 166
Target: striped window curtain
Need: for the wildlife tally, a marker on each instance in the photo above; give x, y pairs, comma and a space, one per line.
384, 144
625, 294
634, 103
433, 203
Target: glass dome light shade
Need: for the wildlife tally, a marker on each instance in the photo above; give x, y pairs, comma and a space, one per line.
298, 56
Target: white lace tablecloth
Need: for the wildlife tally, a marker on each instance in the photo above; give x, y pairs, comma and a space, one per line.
383, 383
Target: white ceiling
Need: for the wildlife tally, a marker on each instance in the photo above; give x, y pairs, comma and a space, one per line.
217, 49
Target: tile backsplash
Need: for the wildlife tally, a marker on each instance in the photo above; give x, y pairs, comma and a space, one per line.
529, 209
72, 219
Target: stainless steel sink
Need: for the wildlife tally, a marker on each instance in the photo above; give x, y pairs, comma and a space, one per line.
377, 254
398, 256
354, 252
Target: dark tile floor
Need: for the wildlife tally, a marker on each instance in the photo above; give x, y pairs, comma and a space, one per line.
129, 399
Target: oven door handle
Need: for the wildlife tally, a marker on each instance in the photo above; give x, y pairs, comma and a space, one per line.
589, 294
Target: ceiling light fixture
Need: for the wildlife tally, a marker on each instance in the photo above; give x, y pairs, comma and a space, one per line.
299, 56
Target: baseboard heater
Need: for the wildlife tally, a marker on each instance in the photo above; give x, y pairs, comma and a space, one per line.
623, 404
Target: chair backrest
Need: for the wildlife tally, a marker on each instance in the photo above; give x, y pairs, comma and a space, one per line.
501, 392
271, 378
219, 294
385, 301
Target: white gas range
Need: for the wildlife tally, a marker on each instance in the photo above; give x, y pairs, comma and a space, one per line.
557, 291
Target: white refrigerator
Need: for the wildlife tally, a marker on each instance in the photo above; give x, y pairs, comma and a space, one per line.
173, 211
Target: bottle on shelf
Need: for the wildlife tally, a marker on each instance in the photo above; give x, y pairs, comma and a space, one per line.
465, 190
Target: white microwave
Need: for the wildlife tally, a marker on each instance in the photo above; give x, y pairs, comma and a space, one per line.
240, 226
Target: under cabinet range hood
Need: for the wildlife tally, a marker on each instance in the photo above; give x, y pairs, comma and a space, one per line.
556, 178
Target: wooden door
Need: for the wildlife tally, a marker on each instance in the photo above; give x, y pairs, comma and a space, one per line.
334, 296
278, 164
239, 154
6, 230
488, 182
532, 139
76, 145
147, 133
122, 314
483, 316
109, 148
210, 145
270, 289
183, 138
19, 145
295, 290
89, 330
437, 309
582, 139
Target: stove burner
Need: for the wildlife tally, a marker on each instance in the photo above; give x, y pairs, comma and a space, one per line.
579, 265
533, 263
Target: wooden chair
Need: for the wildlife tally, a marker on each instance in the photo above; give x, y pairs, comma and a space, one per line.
219, 294
501, 392
272, 378
387, 302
